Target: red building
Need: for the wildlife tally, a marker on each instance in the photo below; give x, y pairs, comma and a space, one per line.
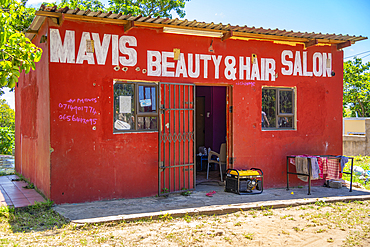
118, 105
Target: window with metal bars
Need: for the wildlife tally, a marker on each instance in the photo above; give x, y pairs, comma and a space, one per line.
278, 108
135, 107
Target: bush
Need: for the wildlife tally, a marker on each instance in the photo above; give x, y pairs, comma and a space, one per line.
7, 115
6, 140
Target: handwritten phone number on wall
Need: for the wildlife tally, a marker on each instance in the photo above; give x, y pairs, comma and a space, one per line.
83, 101
241, 83
73, 118
78, 108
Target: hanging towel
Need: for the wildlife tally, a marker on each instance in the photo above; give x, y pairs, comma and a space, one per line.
315, 169
343, 162
322, 166
333, 169
301, 167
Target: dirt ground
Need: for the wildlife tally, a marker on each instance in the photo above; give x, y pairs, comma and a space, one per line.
320, 224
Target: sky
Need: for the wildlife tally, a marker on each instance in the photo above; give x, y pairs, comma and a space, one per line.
325, 16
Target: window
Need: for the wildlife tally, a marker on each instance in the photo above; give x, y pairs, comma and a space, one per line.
278, 108
135, 107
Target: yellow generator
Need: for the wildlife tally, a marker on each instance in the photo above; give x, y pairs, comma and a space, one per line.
244, 182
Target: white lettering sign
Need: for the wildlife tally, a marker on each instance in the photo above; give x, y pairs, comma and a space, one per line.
163, 63
321, 64
64, 51
60, 52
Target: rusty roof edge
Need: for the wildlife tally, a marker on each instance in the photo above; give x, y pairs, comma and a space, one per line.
35, 26
274, 34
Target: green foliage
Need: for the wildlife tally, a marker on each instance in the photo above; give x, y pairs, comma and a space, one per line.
22, 17
7, 115
356, 87
156, 8
17, 53
93, 5
185, 192
6, 140
7, 127
346, 111
364, 163
37, 217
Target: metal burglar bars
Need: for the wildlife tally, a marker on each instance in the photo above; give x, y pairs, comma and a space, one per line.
176, 138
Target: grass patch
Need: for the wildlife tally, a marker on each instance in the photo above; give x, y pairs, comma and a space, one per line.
248, 236
187, 218
37, 217
6, 173
361, 161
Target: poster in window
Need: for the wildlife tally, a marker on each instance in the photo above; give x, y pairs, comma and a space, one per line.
145, 102
124, 104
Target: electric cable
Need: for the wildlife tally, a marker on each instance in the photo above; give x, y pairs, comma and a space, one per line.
357, 54
365, 56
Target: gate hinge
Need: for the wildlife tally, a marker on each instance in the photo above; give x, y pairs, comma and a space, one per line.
231, 109
231, 160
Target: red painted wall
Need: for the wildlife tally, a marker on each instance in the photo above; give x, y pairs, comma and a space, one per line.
32, 156
319, 122
90, 163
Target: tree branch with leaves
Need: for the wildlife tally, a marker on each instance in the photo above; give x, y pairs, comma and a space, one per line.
17, 53
356, 87
156, 8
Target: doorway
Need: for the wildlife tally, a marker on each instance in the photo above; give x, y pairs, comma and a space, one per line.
190, 117
211, 128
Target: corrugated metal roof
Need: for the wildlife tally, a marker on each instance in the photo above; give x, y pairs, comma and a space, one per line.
236, 31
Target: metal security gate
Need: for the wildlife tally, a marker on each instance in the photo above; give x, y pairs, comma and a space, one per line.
176, 157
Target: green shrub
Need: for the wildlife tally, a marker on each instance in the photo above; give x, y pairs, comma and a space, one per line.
6, 140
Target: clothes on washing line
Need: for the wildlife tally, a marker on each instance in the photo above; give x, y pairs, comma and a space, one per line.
301, 167
321, 161
332, 166
301, 164
315, 169
292, 160
332, 169
343, 161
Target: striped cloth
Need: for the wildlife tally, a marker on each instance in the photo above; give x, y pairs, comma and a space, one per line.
332, 169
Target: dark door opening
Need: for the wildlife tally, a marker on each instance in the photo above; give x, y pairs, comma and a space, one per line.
211, 128
200, 121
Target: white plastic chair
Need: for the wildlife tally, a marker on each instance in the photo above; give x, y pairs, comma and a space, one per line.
221, 158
